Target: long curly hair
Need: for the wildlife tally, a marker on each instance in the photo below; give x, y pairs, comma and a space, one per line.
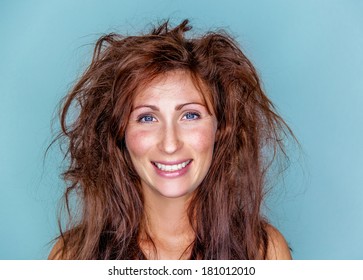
107, 219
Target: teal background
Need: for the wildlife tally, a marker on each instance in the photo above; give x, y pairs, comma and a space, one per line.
309, 55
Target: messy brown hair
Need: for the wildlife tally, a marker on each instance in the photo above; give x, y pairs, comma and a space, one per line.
106, 221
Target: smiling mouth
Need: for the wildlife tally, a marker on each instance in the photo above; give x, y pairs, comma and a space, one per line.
172, 167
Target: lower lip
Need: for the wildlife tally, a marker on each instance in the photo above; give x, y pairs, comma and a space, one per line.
173, 174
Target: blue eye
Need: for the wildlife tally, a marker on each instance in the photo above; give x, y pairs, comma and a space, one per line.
192, 116
146, 119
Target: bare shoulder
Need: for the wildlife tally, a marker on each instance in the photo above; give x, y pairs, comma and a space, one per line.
56, 252
277, 246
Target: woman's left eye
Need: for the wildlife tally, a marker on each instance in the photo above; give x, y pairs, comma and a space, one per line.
191, 116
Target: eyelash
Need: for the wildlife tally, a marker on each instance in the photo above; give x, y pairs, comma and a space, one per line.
192, 113
140, 118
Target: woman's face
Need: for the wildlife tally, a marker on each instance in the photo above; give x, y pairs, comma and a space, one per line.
170, 136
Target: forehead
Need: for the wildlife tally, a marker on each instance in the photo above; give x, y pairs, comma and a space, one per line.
174, 85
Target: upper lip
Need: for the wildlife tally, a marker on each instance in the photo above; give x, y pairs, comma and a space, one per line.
171, 162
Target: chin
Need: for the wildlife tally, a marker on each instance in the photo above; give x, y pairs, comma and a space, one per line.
174, 192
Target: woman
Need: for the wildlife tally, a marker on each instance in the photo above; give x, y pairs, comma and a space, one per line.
169, 152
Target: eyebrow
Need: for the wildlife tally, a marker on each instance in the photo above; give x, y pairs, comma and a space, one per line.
177, 107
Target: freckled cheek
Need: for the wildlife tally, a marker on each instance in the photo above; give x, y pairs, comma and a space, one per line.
138, 142
202, 139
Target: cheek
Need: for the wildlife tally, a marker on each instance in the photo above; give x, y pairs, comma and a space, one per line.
202, 139
138, 142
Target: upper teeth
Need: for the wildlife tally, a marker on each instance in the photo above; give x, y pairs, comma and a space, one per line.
173, 167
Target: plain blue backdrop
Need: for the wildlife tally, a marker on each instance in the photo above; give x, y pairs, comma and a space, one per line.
309, 55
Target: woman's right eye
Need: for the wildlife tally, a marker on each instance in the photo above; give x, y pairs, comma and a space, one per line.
146, 119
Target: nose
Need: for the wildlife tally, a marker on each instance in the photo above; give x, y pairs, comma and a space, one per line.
170, 140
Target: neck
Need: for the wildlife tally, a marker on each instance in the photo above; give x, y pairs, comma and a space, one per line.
167, 223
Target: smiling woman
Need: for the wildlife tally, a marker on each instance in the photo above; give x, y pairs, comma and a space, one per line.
169, 152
